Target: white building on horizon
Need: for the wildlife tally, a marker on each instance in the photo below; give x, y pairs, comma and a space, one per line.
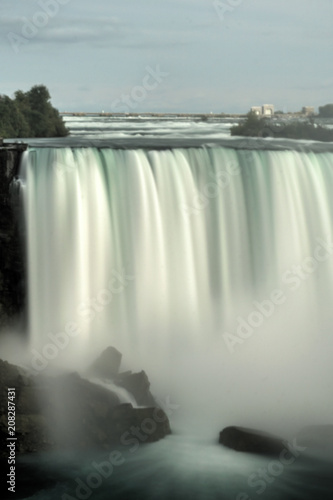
264, 110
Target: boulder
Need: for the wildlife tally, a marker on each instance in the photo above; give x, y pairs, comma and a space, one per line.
31, 426
138, 385
68, 411
251, 441
146, 424
107, 365
77, 410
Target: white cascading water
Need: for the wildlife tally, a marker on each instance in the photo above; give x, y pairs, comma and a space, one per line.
184, 251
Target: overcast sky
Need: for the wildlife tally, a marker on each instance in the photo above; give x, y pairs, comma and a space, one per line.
210, 56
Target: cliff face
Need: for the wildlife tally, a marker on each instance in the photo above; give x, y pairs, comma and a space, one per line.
12, 282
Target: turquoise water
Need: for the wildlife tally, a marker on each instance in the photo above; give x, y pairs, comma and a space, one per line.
184, 467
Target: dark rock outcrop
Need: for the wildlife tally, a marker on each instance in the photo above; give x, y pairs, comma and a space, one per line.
69, 411
12, 273
30, 422
108, 364
77, 410
138, 385
251, 441
146, 424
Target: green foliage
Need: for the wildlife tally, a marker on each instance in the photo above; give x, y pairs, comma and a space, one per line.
326, 111
30, 114
255, 126
12, 122
250, 128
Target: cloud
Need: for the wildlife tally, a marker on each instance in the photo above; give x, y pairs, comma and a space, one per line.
98, 31
64, 30
83, 31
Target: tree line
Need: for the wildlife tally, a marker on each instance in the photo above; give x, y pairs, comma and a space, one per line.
326, 111
30, 114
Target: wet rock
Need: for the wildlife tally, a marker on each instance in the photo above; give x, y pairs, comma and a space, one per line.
251, 441
144, 425
108, 364
76, 410
68, 411
12, 271
138, 385
31, 427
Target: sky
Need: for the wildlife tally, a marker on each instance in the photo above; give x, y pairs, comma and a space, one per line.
169, 55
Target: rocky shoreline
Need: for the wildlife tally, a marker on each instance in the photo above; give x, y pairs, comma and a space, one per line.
69, 411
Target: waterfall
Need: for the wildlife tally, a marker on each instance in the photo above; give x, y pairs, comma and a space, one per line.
165, 249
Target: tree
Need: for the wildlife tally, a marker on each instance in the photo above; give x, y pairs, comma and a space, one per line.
251, 127
43, 119
39, 98
30, 114
12, 121
326, 111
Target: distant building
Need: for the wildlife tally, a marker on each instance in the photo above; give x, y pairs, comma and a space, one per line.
308, 110
256, 110
268, 110
265, 110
